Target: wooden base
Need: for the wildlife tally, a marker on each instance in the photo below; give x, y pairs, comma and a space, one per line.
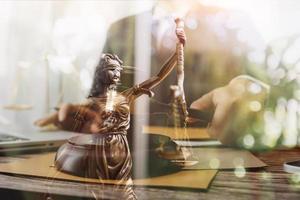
79, 156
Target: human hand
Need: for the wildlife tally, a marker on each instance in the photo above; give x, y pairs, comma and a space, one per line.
72, 117
235, 106
180, 31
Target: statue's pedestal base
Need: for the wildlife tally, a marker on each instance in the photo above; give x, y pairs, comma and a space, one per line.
80, 156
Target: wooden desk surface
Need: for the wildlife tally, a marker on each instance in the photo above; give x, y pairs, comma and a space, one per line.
269, 183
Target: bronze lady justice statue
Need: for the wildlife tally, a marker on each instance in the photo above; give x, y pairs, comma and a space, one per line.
106, 115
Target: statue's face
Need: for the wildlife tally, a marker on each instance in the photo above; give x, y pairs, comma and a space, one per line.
113, 75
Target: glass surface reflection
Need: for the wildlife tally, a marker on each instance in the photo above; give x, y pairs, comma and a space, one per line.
105, 153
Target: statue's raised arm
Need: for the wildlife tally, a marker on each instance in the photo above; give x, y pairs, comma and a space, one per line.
146, 86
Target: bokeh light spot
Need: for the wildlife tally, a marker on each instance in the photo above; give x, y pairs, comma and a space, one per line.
248, 141
240, 171
214, 163
255, 106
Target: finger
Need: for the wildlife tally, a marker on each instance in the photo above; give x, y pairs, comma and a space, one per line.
180, 32
204, 103
51, 119
68, 110
181, 35
88, 114
63, 111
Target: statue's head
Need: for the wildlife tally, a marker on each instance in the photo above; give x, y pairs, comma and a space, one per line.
110, 66
107, 73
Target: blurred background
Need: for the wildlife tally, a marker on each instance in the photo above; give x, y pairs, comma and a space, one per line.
49, 50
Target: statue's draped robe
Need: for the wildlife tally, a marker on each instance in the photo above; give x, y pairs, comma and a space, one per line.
113, 150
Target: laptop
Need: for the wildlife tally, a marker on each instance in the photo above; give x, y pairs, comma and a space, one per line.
34, 139
12, 142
